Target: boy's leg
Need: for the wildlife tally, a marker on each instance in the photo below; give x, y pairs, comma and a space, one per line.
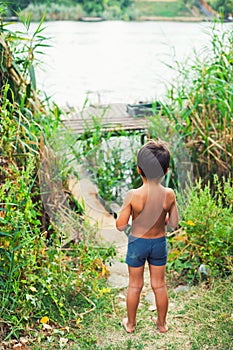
158, 284
133, 296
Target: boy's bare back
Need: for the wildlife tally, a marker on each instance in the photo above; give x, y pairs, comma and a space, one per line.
152, 206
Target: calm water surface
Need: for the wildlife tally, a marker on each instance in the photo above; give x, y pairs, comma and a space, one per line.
115, 61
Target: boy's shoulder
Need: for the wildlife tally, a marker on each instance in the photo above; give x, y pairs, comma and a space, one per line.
169, 190
170, 196
134, 194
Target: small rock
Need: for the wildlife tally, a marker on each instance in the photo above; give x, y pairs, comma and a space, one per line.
172, 305
152, 308
122, 296
122, 304
181, 289
118, 281
119, 268
150, 298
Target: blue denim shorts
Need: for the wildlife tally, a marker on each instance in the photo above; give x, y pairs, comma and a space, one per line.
140, 250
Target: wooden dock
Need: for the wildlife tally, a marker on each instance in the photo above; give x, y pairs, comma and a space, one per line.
112, 118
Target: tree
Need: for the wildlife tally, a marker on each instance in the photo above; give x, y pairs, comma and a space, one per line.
16, 5
93, 7
225, 7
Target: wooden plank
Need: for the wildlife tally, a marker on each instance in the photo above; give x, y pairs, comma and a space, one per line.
115, 118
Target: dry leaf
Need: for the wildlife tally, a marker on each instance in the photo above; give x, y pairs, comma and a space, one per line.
23, 340
18, 346
63, 341
46, 326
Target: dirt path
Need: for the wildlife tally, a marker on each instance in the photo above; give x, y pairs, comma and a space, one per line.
107, 234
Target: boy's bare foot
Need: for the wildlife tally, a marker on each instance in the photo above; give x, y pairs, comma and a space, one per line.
160, 328
126, 326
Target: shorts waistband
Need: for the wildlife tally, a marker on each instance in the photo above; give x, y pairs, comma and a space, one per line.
157, 239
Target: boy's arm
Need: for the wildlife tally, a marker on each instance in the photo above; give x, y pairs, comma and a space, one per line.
122, 221
173, 217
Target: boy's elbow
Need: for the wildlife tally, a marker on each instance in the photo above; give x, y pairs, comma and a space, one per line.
173, 223
119, 226
173, 218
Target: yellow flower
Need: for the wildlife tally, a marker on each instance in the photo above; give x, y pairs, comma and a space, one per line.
104, 291
44, 320
78, 323
104, 270
190, 223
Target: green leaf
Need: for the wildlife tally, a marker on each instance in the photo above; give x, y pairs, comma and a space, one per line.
5, 234
32, 76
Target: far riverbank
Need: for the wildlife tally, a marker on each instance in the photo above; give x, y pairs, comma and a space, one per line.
140, 19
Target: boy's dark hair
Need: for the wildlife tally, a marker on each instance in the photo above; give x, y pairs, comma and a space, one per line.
153, 159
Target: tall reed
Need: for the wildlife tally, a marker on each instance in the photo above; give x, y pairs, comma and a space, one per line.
199, 106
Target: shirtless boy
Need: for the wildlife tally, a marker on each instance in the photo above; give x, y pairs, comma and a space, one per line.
152, 207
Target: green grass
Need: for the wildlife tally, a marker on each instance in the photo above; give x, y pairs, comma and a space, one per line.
162, 9
200, 318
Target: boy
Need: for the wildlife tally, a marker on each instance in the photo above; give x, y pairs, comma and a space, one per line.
152, 207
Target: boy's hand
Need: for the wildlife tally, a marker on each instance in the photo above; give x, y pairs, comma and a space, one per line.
166, 219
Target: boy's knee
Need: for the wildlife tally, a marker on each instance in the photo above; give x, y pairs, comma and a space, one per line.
158, 286
137, 287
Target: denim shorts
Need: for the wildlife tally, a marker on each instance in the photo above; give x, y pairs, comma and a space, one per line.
140, 250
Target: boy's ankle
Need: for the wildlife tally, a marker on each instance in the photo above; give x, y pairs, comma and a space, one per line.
161, 326
129, 327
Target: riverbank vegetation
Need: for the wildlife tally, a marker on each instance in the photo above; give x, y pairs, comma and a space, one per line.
109, 10
119, 10
54, 290
72, 10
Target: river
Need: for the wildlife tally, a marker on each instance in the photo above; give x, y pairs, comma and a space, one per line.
114, 61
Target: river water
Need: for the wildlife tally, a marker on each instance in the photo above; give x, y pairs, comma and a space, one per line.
114, 61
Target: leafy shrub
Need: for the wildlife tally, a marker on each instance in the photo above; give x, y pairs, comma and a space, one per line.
39, 276
206, 234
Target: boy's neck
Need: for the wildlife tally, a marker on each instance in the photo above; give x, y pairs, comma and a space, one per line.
152, 182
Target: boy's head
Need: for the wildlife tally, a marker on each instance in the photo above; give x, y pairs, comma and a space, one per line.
153, 159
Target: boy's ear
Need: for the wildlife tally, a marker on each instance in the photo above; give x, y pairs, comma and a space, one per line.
139, 170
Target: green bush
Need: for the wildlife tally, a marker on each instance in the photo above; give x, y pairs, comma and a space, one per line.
206, 233
40, 277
